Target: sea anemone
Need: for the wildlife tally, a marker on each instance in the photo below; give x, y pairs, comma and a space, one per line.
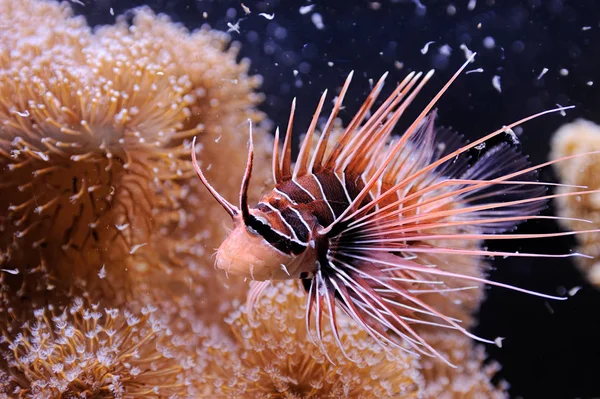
87, 351
471, 379
574, 138
94, 146
224, 105
272, 356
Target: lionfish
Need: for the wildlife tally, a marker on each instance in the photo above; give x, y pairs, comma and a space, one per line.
353, 219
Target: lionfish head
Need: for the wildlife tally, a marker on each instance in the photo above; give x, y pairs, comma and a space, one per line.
247, 251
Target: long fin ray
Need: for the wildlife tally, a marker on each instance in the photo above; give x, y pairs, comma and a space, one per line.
390, 157
301, 166
317, 160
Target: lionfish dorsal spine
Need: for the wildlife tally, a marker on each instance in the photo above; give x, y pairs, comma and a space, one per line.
301, 166
316, 164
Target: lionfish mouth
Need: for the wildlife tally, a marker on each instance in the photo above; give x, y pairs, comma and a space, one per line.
395, 215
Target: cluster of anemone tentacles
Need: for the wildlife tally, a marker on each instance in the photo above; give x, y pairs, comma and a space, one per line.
107, 288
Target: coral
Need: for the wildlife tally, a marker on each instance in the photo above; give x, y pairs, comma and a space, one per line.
471, 379
573, 138
94, 149
87, 351
224, 102
272, 356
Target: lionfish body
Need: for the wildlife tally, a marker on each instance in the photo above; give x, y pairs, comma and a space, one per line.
367, 222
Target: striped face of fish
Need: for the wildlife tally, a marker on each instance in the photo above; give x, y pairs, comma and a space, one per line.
380, 227
263, 245
249, 251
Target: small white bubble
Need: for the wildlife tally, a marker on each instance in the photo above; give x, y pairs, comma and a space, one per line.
306, 9
496, 83
489, 42
317, 20
425, 48
267, 16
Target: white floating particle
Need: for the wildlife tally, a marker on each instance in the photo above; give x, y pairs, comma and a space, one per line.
471, 5
246, 9
267, 16
136, 247
564, 72
329, 63
498, 341
574, 290
306, 9
468, 53
590, 83
425, 48
295, 72
218, 139
233, 28
451, 10
102, 272
420, 9
123, 226
489, 42
562, 111
584, 28
478, 70
496, 83
112, 12
14, 272
445, 50
78, 2
518, 130
398, 65
204, 15
480, 147
317, 20
542, 73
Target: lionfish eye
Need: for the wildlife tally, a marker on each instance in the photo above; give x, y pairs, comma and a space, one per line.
250, 230
254, 224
